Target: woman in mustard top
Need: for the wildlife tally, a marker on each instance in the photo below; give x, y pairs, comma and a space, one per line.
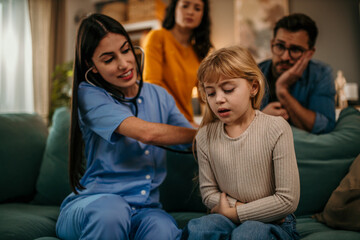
174, 52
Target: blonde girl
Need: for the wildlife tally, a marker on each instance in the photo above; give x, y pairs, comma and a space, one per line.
247, 167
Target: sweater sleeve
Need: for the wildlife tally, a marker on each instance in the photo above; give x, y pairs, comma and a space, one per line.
285, 199
208, 185
154, 58
209, 188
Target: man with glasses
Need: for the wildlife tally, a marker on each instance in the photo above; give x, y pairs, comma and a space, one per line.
299, 89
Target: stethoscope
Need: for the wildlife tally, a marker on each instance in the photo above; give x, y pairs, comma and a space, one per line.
133, 99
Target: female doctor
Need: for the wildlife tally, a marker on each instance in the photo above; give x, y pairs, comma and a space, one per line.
119, 119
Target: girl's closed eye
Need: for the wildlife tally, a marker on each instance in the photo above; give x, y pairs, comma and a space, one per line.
228, 90
210, 93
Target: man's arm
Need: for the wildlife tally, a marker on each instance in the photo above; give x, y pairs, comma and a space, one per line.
300, 116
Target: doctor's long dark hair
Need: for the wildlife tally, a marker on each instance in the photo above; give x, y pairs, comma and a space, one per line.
200, 35
91, 31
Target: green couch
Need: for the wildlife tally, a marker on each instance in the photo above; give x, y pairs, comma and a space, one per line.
34, 179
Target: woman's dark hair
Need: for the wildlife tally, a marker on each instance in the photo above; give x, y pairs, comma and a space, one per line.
91, 31
296, 22
201, 34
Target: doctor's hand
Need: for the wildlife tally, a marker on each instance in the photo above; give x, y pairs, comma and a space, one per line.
224, 208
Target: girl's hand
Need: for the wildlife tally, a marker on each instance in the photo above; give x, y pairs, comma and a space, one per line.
224, 208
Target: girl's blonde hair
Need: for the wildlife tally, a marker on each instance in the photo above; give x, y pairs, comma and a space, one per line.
230, 62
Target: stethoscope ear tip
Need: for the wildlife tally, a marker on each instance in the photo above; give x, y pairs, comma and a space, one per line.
86, 76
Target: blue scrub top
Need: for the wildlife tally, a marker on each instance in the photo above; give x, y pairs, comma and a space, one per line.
118, 164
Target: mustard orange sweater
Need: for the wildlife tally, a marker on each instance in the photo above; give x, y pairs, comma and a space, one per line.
172, 66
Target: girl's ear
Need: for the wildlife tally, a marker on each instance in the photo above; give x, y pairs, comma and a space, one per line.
254, 88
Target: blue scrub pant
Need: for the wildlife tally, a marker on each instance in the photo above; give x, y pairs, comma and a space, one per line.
217, 226
109, 216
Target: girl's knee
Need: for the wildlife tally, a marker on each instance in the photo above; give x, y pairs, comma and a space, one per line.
253, 225
212, 226
210, 221
252, 230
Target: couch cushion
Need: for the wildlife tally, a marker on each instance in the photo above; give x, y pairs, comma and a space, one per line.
324, 160
22, 138
26, 221
53, 183
310, 229
318, 179
180, 192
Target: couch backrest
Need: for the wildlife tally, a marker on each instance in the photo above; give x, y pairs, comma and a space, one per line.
180, 190
22, 143
324, 160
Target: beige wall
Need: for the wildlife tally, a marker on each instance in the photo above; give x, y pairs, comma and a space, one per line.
222, 18
74, 9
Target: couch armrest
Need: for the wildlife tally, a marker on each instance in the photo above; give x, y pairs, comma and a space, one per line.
22, 143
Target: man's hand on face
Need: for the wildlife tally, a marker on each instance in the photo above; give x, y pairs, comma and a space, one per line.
290, 76
275, 109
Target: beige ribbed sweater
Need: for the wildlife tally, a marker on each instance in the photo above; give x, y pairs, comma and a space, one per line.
257, 168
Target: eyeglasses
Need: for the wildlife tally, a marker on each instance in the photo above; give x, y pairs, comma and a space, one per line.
294, 51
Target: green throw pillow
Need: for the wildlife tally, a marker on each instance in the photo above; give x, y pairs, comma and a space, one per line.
53, 182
